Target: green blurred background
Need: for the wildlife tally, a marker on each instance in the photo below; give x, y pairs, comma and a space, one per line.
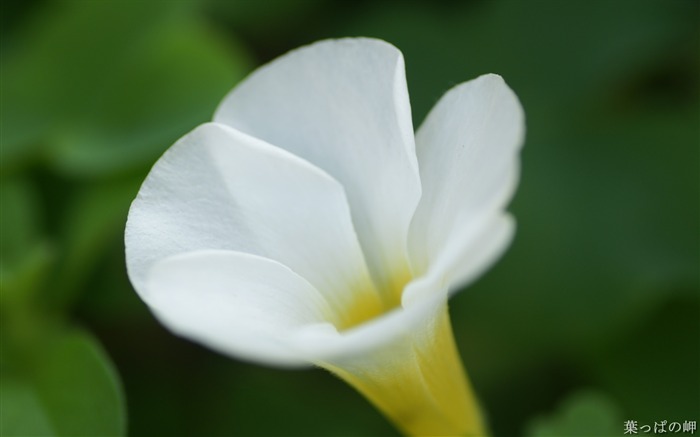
591, 318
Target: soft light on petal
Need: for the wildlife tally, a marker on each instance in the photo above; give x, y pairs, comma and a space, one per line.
468, 152
220, 189
343, 106
239, 304
473, 248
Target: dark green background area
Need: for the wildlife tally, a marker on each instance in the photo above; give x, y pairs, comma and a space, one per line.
591, 318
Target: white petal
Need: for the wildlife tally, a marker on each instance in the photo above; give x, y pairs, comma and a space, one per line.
343, 105
473, 248
322, 344
468, 153
239, 304
470, 252
217, 188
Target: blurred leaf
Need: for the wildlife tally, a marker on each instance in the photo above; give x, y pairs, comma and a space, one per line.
20, 218
126, 79
582, 414
49, 74
22, 413
68, 389
25, 255
172, 83
94, 220
22, 280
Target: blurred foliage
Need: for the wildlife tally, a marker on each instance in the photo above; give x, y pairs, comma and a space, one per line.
591, 318
68, 388
583, 414
98, 87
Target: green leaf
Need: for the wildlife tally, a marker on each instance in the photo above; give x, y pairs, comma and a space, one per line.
93, 222
53, 64
67, 388
585, 413
22, 412
168, 85
19, 220
25, 253
126, 80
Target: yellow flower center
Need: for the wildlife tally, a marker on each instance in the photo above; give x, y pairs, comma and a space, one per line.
369, 304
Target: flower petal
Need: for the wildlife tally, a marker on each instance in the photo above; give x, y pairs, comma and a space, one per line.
218, 188
468, 153
473, 248
343, 105
239, 304
322, 343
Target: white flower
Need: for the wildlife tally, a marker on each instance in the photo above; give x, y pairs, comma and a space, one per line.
308, 225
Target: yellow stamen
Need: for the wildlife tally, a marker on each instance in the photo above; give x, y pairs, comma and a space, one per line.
370, 303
